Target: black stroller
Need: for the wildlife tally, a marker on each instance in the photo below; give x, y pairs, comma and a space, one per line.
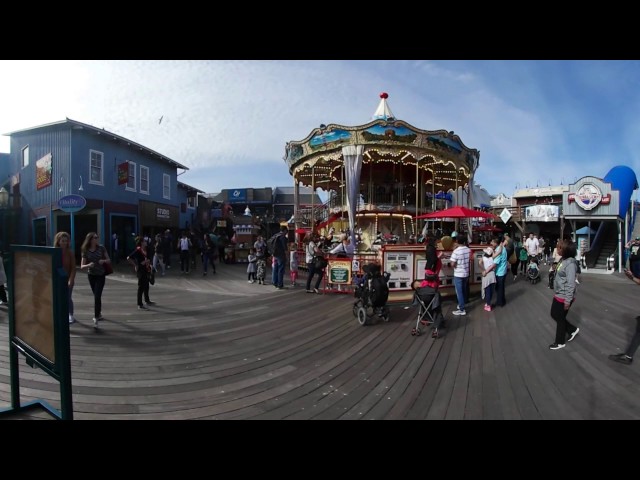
533, 270
371, 296
428, 300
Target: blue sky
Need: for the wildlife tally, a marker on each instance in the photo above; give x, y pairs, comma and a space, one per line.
534, 122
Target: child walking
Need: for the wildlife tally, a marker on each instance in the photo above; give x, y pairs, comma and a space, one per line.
251, 268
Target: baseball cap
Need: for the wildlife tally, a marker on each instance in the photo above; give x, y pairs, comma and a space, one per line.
454, 234
488, 250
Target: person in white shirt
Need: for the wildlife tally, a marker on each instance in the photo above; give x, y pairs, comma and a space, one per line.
532, 246
460, 263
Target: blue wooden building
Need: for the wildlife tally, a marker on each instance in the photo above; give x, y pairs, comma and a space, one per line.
129, 189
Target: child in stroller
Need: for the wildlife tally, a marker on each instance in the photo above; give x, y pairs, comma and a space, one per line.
533, 270
371, 293
428, 300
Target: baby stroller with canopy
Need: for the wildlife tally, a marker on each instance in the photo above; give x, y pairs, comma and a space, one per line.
428, 300
533, 270
371, 293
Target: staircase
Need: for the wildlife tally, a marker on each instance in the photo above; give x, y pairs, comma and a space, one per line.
609, 246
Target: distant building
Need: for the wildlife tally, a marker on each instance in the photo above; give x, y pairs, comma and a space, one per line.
128, 187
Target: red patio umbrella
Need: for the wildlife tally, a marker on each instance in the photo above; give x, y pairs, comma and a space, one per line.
457, 212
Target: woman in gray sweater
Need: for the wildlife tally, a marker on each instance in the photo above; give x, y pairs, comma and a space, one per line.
564, 288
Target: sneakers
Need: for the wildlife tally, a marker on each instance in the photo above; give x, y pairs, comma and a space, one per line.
142, 307
249, 281
573, 335
435, 334
71, 319
487, 308
315, 290
459, 312
621, 358
310, 291
556, 346
95, 322
149, 302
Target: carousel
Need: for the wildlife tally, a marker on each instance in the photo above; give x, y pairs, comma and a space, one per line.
378, 177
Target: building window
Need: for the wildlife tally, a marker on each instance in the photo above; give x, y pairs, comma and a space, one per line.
166, 186
191, 202
131, 182
25, 156
144, 179
95, 167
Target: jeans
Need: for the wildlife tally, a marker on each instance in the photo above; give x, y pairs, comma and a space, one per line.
279, 272
563, 327
312, 271
143, 287
70, 301
460, 285
488, 293
97, 285
501, 301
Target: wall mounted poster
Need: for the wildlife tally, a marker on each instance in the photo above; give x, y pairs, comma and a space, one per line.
400, 267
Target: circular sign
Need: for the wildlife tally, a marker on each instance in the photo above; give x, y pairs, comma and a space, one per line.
72, 203
588, 196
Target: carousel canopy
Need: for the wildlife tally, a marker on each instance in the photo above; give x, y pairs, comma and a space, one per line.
394, 153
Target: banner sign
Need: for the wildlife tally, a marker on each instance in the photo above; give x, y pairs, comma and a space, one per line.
542, 213
43, 172
123, 173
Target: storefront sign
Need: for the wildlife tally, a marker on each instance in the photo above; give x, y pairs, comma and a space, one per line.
238, 195
340, 271
43, 172
400, 267
163, 213
72, 203
588, 197
221, 223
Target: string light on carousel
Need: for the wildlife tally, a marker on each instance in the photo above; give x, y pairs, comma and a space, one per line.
379, 176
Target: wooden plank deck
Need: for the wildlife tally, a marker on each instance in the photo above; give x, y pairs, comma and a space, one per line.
217, 347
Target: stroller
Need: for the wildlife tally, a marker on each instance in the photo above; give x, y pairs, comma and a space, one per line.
533, 271
428, 300
371, 293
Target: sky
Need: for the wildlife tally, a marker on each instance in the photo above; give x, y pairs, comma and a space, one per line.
535, 123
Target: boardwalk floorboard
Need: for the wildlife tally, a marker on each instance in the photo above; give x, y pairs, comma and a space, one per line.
217, 347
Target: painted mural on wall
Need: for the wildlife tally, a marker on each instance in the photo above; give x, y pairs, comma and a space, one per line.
445, 143
331, 139
380, 133
43, 172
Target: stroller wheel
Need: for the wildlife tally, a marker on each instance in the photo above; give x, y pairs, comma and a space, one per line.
362, 316
355, 310
413, 332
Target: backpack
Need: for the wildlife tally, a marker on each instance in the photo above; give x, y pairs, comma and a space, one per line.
274, 245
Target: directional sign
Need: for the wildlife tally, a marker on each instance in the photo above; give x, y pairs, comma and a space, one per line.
505, 215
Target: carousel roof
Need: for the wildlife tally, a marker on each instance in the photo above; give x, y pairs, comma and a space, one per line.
386, 140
